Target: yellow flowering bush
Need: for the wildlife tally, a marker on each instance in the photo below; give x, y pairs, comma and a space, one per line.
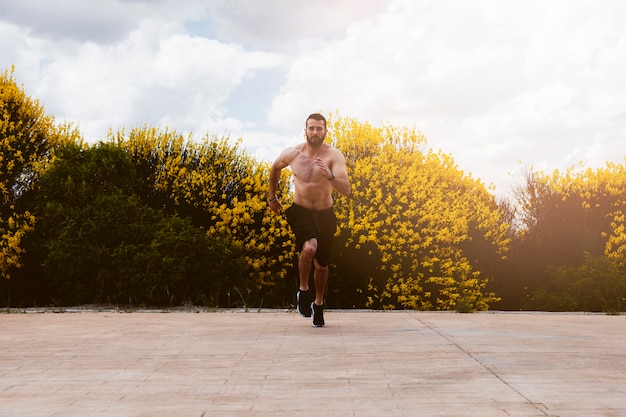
410, 218
221, 188
417, 232
27, 136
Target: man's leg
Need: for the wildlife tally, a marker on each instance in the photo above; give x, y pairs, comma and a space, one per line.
304, 262
317, 309
303, 297
321, 279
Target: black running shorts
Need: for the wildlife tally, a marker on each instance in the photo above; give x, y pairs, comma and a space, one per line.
308, 224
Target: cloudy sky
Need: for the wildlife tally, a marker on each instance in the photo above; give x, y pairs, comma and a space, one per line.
501, 85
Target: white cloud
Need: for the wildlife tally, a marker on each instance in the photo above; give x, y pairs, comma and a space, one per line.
283, 24
490, 82
157, 75
103, 21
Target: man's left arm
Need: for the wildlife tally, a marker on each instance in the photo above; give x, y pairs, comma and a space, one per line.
339, 177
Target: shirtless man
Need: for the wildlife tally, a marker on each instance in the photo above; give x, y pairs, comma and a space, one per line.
318, 168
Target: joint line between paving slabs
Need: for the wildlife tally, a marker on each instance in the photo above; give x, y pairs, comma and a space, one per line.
491, 371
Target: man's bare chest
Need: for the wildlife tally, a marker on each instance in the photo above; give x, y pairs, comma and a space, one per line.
306, 169
303, 169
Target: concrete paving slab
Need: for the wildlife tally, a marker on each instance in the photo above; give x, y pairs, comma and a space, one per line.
274, 363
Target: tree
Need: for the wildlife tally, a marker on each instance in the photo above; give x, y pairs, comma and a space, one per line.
564, 216
100, 243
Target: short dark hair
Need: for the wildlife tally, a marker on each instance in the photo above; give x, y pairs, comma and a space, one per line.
316, 116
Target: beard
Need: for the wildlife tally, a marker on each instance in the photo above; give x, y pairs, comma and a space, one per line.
315, 141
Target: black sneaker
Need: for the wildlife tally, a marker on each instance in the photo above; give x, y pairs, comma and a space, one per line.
318, 315
302, 303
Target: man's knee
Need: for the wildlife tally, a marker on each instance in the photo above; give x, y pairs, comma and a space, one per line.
309, 248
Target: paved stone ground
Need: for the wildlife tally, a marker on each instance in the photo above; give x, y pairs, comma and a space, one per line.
274, 363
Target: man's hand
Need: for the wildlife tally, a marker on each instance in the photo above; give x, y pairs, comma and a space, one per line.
276, 206
321, 164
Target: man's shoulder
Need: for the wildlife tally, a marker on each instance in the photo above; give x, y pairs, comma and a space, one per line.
291, 152
334, 152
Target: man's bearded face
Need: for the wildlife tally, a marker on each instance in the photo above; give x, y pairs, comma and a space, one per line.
315, 132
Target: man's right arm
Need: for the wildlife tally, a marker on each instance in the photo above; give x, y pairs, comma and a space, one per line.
279, 164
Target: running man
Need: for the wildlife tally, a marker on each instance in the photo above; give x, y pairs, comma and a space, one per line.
317, 168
